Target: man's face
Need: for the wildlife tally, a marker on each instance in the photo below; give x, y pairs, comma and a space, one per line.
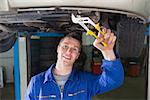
68, 51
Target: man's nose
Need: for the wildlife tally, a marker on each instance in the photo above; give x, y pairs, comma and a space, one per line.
69, 51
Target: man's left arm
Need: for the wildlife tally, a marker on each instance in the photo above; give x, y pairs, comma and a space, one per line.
113, 73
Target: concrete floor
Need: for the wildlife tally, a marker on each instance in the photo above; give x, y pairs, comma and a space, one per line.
7, 93
134, 88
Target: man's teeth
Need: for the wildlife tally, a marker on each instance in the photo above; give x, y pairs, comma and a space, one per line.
67, 57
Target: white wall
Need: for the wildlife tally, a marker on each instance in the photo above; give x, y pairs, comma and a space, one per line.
7, 61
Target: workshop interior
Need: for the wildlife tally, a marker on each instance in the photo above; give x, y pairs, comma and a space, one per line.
29, 39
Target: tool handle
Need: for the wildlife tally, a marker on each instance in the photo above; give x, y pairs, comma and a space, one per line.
97, 26
91, 33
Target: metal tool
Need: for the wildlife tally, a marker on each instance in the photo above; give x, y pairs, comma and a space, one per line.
84, 20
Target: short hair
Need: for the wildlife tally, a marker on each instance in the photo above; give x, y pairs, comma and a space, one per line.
73, 35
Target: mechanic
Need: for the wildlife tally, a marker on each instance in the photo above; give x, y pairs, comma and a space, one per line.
63, 82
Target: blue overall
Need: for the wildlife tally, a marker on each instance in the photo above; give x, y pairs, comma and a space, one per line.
79, 86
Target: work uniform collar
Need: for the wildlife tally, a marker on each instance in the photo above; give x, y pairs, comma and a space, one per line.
49, 74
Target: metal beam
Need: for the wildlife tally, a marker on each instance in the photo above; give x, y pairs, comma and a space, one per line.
16, 70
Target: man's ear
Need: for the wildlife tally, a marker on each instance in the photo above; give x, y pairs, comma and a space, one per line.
58, 48
77, 56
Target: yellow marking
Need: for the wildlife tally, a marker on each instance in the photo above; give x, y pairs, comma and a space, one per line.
91, 33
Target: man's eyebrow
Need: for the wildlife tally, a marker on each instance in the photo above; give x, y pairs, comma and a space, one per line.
66, 43
74, 45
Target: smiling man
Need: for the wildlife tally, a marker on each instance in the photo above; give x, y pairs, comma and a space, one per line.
62, 81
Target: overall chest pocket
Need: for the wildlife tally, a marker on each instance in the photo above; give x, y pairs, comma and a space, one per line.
77, 95
46, 97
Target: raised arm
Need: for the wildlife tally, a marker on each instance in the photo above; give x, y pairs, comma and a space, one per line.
113, 73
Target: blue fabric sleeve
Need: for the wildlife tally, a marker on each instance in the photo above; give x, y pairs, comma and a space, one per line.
111, 77
30, 91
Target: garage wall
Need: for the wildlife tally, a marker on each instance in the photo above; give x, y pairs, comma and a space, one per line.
7, 61
43, 53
